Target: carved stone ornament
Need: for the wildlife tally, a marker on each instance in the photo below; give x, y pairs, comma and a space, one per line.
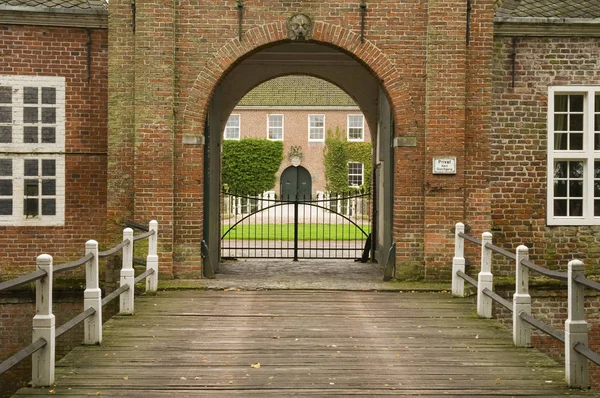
300, 27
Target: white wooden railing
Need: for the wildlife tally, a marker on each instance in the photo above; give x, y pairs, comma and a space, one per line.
45, 332
575, 336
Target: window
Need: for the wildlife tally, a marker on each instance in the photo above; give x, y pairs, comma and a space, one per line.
356, 130
275, 127
32, 125
574, 156
316, 127
232, 128
355, 174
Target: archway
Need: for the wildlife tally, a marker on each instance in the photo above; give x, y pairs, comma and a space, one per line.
325, 62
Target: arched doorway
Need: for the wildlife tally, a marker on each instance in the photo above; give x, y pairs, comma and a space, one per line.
296, 184
327, 63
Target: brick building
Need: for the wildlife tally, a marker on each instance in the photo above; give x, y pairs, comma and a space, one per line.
300, 111
503, 92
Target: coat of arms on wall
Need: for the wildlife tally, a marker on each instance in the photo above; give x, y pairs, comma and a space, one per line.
300, 27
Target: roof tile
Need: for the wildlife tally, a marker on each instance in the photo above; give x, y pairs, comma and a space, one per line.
73, 4
296, 91
547, 8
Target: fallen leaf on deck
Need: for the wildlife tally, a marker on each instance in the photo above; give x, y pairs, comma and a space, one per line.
255, 365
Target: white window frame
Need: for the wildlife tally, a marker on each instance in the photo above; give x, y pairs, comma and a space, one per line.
587, 155
362, 127
311, 127
18, 151
229, 127
269, 127
362, 174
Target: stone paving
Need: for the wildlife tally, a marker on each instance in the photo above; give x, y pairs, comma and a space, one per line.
276, 274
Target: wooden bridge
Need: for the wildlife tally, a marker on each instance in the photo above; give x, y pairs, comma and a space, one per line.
297, 343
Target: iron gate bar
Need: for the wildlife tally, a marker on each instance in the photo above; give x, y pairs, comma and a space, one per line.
322, 235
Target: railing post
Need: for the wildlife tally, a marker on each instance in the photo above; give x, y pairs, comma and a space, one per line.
576, 365
485, 278
152, 259
92, 297
42, 368
127, 274
458, 262
521, 301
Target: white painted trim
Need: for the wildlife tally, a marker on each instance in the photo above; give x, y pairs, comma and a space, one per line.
282, 126
309, 127
587, 155
348, 127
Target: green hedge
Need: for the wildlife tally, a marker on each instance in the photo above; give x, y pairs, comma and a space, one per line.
249, 165
338, 152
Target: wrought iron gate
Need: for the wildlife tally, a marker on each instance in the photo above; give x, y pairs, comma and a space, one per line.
327, 226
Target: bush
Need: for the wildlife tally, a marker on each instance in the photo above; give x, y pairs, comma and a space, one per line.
249, 165
338, 153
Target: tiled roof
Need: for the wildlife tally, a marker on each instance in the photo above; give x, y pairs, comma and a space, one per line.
72, 4
547, 8
296, 91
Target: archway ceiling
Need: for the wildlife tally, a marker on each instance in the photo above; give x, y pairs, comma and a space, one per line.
302, 58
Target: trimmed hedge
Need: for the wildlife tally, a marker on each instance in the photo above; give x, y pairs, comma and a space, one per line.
338, 153
249, 165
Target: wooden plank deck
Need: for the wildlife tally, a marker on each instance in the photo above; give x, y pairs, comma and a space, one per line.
203, 343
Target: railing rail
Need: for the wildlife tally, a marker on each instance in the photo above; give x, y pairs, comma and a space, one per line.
45, 332
575, 336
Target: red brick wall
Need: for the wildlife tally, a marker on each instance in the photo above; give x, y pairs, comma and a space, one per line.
50, 51
254, 125
407, 47
519, 147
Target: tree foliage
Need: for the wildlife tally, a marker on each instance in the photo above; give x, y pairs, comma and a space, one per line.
338, 153
249, 165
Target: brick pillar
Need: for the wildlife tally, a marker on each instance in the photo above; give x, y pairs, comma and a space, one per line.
154, 121
120, 117
479, 112
444, 130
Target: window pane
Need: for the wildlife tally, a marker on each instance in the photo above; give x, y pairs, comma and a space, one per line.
596, 208
48, 95
5, 134
560, 189
560, 141
30, 95
560, 207
5, 95
5, 167
560, 169
31, 188
30, 208
31, 167
576, 189
6, 207
597, 142
576, 143
597, 103
30, 135
576, 102
49, 187
560, 122
576, 123
48, 135
48, 207
49, 115
576, 208
560, 103
6, 187
5, 114
30, 115
48, 167
576, 169
597, 189
597, 122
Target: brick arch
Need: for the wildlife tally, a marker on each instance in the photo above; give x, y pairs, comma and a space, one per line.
235, 50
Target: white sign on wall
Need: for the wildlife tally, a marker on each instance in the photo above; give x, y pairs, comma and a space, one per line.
445, 165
